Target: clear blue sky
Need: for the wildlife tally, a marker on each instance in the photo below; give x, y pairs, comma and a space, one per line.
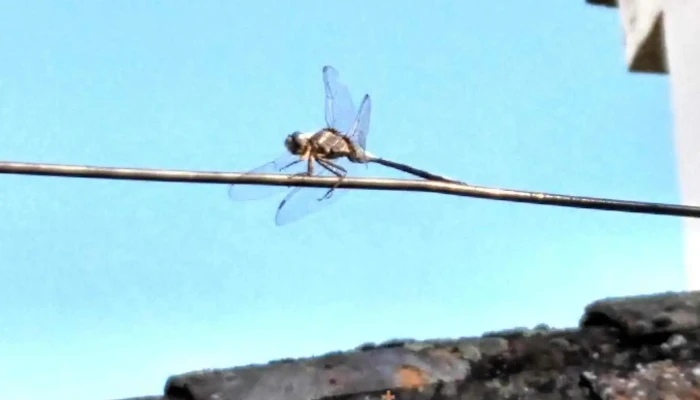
110, 287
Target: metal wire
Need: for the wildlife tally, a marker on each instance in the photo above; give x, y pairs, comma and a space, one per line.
431, 186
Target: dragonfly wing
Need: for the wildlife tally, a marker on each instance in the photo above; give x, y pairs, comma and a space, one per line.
360, 128
340, 110
285, 164
302, 201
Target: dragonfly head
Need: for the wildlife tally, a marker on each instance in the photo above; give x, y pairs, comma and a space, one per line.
296, 143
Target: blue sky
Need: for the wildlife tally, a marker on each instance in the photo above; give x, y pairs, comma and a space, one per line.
109, 287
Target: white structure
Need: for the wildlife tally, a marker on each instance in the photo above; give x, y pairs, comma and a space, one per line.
663, 36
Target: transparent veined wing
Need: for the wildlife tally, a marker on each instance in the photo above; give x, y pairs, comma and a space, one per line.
302, 201
285, 164
340, 110
360, 128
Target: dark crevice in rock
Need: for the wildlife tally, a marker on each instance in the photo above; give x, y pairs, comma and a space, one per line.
178, 393
598, 319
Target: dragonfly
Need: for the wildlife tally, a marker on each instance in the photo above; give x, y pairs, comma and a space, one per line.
335, 150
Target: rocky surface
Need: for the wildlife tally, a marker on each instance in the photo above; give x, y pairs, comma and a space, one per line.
645, 347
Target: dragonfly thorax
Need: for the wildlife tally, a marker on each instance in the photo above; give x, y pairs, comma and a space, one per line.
331, 144
326, 143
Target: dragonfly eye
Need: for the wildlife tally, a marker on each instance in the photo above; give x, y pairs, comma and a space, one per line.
292, 143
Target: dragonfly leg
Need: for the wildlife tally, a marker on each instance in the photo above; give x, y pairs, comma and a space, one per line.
309, 170
335, 169
290, 164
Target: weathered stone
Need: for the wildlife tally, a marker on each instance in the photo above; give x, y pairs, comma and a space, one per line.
643, 347
469, 352
491, 346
